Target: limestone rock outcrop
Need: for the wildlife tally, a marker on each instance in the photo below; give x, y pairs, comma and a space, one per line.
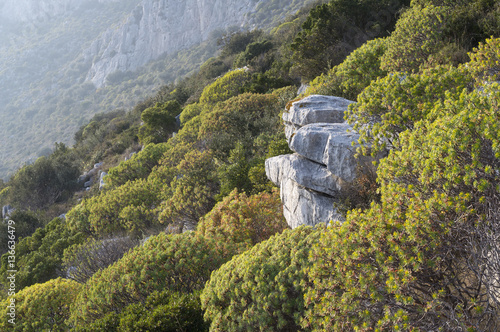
32, 11
157, 28
314, 109
311, 179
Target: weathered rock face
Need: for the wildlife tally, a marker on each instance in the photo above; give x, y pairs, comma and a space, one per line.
38, 10
314, 109
159, 27
312, 178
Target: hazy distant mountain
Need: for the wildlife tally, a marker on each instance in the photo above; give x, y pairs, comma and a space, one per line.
61, 61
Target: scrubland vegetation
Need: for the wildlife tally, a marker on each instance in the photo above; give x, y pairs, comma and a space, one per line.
418, 250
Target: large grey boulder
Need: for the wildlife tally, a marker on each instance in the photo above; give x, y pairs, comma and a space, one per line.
330, 144
307, 190
312, 179
304, 172
303, 206
306, 207
314, 109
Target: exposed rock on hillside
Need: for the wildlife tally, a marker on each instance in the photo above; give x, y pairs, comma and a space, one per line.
38, 10
310, 180
162, 27
314, 109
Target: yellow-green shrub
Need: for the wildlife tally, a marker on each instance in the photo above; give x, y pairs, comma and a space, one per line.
41, 307
417, 261
263, 288
355, 73
243, 219
225, 87
179, 263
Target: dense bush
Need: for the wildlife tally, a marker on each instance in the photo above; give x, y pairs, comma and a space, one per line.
41, 307
161, 311
354, 74
243, 219
159, 122
81, 261
139, 166
39, 256
128, 208
333, 30
393, 104
263, 288
418, 34
227, 86
178, 263
24, 223
47, 181
422, 259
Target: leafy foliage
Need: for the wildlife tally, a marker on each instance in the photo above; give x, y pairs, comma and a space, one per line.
393, 104
225, 87
125, 208
47, 181
422, 259
25, 223
485, 60
159, 122
243, 219
261, 289
81, 261
354, 74
41, 307
178, 263
139, 166
418, 34
333, 30
162, 311
39, 256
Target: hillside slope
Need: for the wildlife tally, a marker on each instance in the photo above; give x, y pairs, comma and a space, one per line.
58, 59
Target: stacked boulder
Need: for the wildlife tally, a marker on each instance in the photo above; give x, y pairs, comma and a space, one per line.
312, 178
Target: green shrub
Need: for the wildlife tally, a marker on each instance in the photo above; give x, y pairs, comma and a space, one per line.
139, 166
162, 311
128, 208
39, 256
177, 263
41, 307
159, 122
418, 34
261, 289
395, 103
485, 60
225, 87
243, 219
422, 259
354, 74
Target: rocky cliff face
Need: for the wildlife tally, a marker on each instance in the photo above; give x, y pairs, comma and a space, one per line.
158, 27
23, 11
312, 178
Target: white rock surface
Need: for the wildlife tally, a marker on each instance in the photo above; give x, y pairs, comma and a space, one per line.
311, 180
304, 172
329, 144
306, 207
314, 109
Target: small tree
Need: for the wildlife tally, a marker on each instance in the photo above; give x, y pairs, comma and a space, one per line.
159, 122
178, 263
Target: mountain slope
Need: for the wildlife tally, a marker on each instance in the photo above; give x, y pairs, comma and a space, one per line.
57, 58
